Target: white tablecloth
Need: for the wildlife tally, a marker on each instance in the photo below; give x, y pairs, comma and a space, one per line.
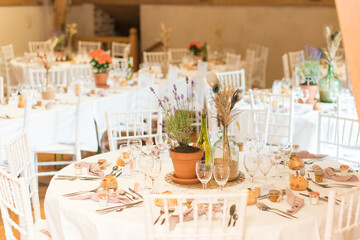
76, 219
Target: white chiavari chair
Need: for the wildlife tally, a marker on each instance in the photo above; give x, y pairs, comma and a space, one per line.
259, 76
14, 197
233, 78
121, 63
122, 126
281, 114
81, 72
120, 50
295, 59
339, 137
259, 123
343, 219
346, 105
7, 53
286, 66
156, 57
1, 88
39, 46
214, 225
232, 61
177, 54
85, 47
63, 148
57, 76
249, 67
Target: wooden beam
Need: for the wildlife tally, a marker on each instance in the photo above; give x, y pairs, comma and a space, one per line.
314, 3
4, 3
348, 14
60, 8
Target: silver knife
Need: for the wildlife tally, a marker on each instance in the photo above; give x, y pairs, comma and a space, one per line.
135, 193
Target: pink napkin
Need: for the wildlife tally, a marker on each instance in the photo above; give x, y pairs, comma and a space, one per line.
306, 154
295, 202
93, 169
188, 216
330, 174
113, 198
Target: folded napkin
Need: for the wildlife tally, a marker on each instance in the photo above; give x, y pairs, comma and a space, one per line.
93, 169
330, 174
188, 216
306, 154
295, 202
113, 197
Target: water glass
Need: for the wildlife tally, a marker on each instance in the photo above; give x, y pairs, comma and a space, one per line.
304, 95
221, 174
134, 147
125, 156
265, 163
251, 164
161, 140
203, 172
153, 170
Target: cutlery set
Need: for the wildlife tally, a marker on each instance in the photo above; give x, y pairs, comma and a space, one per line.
264, 207
330, 185
233, 215
72, 178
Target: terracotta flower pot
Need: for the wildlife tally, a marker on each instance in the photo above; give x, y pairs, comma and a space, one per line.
313, 89
101, 79
185, 163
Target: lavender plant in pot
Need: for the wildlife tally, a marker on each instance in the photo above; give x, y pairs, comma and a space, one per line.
178, 118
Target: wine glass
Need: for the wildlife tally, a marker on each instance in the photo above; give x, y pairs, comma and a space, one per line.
265, 163
143, 165
161, 142
203, 172
259, 143
304, 95
134, 146
276, 158
284, 149
125, 156
154, 167
221, 174
251, 164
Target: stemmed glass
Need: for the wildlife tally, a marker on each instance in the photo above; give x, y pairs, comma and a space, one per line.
276, 158
259, 143
333, 94
134, 147
304, 95
203, 172
161, 140
284, 149
251, 164
125, 156
221, 174
265, 163
143, 164
153, 170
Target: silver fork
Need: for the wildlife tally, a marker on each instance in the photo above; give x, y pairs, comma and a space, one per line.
270, 208
170, 211
162, 211
81, 192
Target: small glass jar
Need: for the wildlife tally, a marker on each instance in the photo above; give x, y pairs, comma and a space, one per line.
314, 198
78, 168
344, 170
103, 199
319, 176
294, 151
274, 195
149, 145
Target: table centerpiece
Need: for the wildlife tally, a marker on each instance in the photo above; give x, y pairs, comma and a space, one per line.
48, 90
164, 39
330, 86
100, 62
178, 118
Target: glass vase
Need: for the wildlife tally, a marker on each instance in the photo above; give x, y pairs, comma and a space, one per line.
48, 90
329, 86
226, 151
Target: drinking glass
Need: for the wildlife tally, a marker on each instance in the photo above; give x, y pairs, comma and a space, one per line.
276, 158
134, 147
284, 150
221, 174
125, 156
265, 163
251, 164
203, 172
297, 93
259, 143
161, 140
333, 94
153, 170
304, 95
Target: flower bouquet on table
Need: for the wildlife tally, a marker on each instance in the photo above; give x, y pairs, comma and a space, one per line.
309, 69
164, 39
48, 90
178, 118
225, 150
100, 62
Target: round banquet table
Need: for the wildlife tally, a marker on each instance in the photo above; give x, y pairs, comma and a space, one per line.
76, 219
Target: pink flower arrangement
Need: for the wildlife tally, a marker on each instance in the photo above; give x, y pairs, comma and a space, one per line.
100, 61
195, 48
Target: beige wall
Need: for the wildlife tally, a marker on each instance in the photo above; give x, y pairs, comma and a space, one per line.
282, 29
83, 15
19, 25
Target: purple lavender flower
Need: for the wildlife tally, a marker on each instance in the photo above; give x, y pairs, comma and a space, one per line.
182, 96
160, 104
152, 89
187, 80
175, 89
192, 83
166, 98
174, 108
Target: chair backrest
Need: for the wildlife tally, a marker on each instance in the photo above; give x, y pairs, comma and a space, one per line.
80, 71
233, 60
286, 66
233, 78
39, 46
341, 137
281, 114
85, 47
259, 123
249, 67
120, 50
345, 217
177, 54
121, 63
213, 226
58, 76
133, 124
7, 53
156, 57
14, 197
295, 59
346, 105
21, 164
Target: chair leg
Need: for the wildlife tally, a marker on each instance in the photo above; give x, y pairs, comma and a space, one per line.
36, 168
